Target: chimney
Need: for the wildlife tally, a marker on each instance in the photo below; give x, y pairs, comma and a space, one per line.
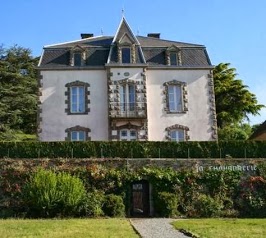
86, 35
154, 35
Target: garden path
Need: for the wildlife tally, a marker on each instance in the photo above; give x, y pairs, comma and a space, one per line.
156, 228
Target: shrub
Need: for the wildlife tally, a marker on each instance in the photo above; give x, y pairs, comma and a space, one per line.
48, 194
165, 204
206, 206
138, 149
114, 206
94, 204
252, 199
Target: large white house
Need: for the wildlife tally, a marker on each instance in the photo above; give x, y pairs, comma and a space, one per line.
126, 87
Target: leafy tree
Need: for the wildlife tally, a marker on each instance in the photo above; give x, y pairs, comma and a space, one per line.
233, 99
18, 92
235, 132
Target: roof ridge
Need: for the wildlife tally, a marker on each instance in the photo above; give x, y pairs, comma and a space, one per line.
75, 41
159, 39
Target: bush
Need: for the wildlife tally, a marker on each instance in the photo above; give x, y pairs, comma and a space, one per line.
136, 149
165, 204
48, 194
206, 206
94, 204
252, 199
114, 206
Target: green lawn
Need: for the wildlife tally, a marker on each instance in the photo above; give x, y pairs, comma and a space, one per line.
224, 228
76, 228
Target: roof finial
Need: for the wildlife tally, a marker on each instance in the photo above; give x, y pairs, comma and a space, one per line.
102, 31
123, 12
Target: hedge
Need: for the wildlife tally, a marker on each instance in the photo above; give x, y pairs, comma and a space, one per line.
135, 149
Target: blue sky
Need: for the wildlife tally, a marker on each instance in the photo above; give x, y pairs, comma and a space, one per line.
232, 30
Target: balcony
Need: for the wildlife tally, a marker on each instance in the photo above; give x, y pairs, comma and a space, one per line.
127, 110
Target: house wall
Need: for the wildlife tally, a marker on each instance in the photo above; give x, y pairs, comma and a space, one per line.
260, 137
54, 120
198, 118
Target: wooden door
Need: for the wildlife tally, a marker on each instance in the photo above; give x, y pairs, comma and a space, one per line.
140, 205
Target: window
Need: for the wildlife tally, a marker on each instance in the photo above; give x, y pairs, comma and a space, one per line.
173, 58
127, 97
77, 99
77, 59
78, 136
175, 98
126, 55
177, 135
128, 135
77, 133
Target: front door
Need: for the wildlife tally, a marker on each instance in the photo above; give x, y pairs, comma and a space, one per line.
140, 205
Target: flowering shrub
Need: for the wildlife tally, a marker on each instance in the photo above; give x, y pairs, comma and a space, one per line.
252, 197
11, 181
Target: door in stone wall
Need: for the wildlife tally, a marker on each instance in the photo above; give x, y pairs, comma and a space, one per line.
140, 205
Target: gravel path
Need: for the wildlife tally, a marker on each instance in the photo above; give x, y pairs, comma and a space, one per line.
156, 228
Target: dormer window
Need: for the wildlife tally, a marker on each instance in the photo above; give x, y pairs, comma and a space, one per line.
173, 58
77, 58
126, 55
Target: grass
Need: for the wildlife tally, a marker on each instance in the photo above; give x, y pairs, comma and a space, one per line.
78, 228
224, 228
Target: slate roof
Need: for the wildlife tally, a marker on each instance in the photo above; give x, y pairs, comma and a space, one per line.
102, 50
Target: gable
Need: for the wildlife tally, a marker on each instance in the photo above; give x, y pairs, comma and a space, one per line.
126, 40
124, 33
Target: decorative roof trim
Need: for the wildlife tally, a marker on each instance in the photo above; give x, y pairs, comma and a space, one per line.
173, 48
75, 41
77, 47
110, 54
123, 20
40, 60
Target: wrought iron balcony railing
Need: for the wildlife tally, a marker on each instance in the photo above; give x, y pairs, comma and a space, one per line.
126, 110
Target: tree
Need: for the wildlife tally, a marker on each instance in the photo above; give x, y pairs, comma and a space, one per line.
233, 99
235, 132
18, 92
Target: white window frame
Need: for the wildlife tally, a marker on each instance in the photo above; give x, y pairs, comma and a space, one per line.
78, 135
177, 135
175, 98
128, 136
79, 101
127, 97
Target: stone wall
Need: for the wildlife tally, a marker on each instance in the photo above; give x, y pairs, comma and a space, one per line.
199, 165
